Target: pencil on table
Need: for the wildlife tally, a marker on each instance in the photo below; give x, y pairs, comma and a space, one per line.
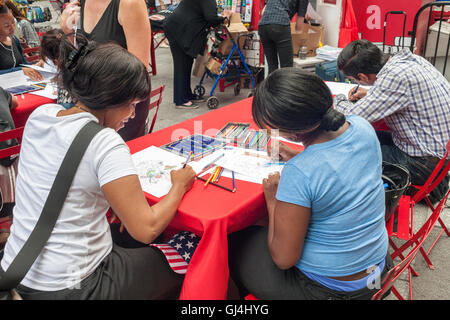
210, 177
234, 182
219, 175
215, 184
216, 173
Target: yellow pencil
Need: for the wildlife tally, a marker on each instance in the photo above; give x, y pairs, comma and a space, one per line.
216, 173
210, 177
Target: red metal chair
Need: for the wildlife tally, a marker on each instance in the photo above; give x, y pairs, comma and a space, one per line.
405, 211
5, 222
416, 245
155, 104
8, 135
32, 54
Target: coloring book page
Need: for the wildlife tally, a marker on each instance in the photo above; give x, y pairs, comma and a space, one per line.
153, 166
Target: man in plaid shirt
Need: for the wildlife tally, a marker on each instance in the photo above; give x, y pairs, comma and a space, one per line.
411, 96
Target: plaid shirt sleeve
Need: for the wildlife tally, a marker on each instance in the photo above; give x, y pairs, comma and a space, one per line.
387, 96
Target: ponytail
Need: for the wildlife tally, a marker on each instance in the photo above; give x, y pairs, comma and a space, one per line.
332, 120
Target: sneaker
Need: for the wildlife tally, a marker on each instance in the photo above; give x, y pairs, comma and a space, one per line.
187, 106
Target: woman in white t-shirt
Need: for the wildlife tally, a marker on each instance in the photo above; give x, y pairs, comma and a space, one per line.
80, 260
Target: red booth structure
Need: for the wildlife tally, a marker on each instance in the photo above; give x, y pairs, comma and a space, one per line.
370, 17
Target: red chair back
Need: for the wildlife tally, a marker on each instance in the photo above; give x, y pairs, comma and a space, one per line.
439, 172
7, 135
155, 104
32, 54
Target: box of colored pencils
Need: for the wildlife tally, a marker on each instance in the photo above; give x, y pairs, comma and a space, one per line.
199, 144
233, 131
255, 139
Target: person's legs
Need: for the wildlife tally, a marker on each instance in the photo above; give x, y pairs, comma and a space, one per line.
420, 168
125, 274
269, 47
283, 40
182, 68
253, 271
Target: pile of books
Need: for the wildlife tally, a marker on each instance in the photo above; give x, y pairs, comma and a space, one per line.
328, 53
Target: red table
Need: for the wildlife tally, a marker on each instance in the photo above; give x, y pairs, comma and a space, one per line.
26, 106
210, 212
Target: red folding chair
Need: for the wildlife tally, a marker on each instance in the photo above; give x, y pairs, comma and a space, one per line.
416, 245
405, 212
32, 54
8, 135
155, 104
5, 222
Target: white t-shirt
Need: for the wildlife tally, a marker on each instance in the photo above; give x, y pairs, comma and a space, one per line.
81, 238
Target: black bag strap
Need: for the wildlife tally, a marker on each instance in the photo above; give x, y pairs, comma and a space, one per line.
52, 207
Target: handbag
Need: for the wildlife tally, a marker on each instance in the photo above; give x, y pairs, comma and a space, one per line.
19, 267
396, 179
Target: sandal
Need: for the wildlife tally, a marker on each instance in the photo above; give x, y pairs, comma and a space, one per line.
187, 106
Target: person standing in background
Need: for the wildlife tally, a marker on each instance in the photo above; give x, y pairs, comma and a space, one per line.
274, 28
124, 22
187, 29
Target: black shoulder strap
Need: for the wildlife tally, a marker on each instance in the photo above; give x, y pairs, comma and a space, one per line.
52, 207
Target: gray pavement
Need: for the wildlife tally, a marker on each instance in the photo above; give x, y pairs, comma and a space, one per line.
429, 285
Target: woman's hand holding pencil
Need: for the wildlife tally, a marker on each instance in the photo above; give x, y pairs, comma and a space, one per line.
183, 179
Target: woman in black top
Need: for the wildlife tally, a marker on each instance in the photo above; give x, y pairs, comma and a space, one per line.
275, 30
11, 54
187, 29
124, 22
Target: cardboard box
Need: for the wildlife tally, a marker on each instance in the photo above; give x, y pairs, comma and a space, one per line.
311, 39
235, 28
214, 66
199, 64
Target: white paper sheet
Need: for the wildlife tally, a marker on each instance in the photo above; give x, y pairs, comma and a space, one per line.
18, 78
50, 91
341, 87
249, 165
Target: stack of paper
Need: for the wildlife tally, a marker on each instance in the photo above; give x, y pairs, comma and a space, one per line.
328, 53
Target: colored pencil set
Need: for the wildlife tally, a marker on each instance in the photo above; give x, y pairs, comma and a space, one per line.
239, 133
255, 139
214, 179
199, 145
233, 131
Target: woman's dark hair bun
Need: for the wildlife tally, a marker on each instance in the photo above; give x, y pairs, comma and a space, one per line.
332, 120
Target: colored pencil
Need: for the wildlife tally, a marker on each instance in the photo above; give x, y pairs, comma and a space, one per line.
209, 179
219, 175
215, 184
188, 158
234, 182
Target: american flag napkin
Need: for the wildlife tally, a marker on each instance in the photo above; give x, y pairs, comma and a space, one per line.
179, 250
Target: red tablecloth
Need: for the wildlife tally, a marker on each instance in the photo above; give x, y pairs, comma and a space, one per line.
26, 106
210, 212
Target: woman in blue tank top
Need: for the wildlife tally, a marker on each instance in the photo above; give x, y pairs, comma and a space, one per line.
326, 236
